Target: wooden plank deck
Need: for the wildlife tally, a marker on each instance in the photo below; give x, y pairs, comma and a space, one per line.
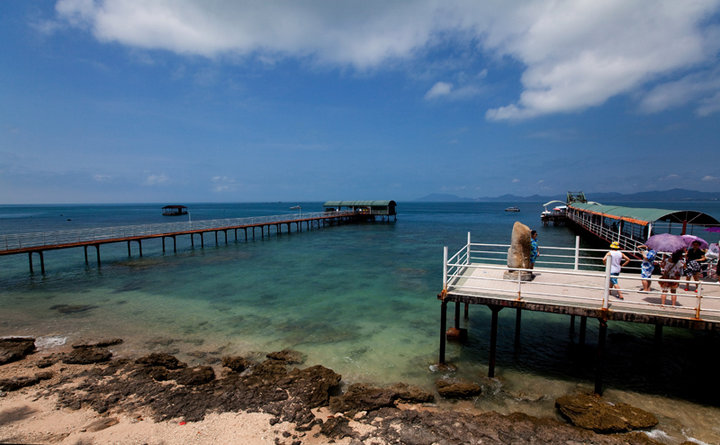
581, 293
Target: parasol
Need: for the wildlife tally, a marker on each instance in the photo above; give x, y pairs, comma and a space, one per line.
665, 242
689, 239
713, 229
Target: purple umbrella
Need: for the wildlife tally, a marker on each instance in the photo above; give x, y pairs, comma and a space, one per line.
665, 242
713, 229
689, 239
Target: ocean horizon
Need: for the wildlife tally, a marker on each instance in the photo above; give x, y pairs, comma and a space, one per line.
359, 299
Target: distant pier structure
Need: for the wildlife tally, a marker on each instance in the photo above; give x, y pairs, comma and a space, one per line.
629, 226
370, 209
335, 213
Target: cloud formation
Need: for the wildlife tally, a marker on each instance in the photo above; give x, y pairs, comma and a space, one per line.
576, 54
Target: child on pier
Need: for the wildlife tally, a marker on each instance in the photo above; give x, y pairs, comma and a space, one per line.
616, 257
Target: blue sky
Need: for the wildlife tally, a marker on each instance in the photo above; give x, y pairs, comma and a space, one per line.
228, 101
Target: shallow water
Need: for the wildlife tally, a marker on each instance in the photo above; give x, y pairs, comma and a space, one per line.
360, 299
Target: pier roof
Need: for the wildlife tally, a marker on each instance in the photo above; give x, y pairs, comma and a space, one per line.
645, 216
359, 203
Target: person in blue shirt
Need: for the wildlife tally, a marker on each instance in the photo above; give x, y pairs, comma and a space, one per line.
647, 266
534, 252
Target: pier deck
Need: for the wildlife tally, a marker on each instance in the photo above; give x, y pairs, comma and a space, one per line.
568, 281
39, 242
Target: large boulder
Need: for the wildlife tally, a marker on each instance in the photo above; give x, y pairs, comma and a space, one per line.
518, 256
15, 348
361, 397
86, 356
454, 389
591, 412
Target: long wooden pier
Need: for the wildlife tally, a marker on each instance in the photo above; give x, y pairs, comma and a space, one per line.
569, 281
40, 242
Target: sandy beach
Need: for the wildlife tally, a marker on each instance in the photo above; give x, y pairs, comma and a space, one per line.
82, 395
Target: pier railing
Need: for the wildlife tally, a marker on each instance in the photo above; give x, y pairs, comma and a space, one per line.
65, 237
573, 277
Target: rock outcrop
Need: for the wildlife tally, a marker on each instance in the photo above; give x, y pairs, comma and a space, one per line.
518, 256
591, 412
15, 348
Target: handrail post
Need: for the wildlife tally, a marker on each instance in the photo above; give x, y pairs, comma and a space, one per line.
445, 267
519, 274
606, 290
699, 299
577, 252
467, 260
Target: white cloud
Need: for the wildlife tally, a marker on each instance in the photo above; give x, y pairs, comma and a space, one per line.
438, 90
702, 88
102, 178
709, 178
515, 180
223, 184
154, 179
576, 53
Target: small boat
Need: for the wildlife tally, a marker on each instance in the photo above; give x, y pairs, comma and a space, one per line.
512, 209
174, 210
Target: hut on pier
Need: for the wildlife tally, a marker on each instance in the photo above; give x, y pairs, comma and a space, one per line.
373, 209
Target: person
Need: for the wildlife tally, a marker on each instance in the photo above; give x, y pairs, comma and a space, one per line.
616, 257
647, 266
692, 268
672, 269
534, 251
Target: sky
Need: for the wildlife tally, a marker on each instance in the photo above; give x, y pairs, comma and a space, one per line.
177, 101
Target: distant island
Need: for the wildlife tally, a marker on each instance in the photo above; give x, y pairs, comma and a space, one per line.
655, 196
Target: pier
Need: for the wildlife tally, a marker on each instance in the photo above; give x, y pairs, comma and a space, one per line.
629, 226
569, 282
37, 243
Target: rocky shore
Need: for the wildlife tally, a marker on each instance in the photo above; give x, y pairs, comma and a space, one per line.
86, 395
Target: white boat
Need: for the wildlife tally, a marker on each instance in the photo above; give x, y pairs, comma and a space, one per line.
512, 209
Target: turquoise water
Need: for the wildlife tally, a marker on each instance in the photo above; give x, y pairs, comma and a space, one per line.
360, 299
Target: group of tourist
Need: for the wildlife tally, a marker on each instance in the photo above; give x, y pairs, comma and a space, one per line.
687, 262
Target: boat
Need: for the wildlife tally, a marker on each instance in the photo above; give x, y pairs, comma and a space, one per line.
174, 210
512, 209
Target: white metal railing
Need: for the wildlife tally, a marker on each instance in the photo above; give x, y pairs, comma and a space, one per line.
608, 233
61, 237
578, 277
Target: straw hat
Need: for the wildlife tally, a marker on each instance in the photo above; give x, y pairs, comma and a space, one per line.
615, 245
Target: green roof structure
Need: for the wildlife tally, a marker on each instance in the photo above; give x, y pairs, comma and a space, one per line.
644, 216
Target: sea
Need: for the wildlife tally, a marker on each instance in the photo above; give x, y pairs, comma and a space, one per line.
360, 299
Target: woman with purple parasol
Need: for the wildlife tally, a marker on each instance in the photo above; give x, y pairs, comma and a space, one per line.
672, 269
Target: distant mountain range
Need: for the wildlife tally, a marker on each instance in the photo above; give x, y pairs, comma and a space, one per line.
656, 196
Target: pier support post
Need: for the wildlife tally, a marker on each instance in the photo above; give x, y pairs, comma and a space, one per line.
518, 320
457, 315
86, 258
174, 244
600, 357
129, 252
572, 326
658, 334
583, 327
30, 262
216, 238
202, 240
467, 306
42, 262
226, 241
163, 244
493, 339
443, 328
140, 246
245, 229
97, 253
